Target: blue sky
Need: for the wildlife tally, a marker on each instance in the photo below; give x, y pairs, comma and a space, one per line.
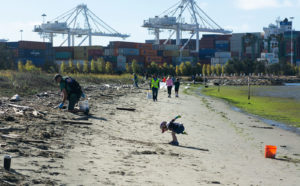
127, 16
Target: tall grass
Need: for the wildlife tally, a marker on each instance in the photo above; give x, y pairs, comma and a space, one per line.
29, 83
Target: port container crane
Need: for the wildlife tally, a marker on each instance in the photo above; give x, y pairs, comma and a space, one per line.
80, 21
174, 19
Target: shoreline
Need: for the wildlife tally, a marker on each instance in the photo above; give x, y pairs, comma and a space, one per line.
258, 104
272, 123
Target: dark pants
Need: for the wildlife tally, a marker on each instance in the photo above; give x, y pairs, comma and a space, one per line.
169, 90
155, 93
73, 99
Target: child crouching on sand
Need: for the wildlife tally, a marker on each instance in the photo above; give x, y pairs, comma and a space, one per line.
176, 128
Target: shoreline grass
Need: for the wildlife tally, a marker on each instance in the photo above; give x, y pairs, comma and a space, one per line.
30, 83
283, 110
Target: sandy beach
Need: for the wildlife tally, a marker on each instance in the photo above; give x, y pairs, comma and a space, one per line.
223, 147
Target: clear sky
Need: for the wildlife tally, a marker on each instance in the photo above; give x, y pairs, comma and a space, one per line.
127, 16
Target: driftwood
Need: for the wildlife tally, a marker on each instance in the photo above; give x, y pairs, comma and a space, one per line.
11, 136
24, 108
76, 122
31, 141
262, 127
10, 129
127, 109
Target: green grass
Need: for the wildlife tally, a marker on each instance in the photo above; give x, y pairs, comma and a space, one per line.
279, 109
30, 83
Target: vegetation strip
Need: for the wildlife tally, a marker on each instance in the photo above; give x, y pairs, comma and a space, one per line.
279, 109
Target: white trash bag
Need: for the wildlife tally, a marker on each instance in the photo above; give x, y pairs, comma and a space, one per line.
149, 95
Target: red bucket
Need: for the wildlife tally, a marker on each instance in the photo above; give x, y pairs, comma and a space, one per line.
270, 151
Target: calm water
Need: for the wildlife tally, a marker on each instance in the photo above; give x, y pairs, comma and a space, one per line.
290, 90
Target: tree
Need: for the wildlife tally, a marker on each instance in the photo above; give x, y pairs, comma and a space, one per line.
134, 66
29, 67
62, 67
20, 66
71, 66
109, 68
218, 69
171, 70
260, 67
198, 68
177, 71
204, 69
208, 69
93, 67
154, 68
223, 70
213, 69
86, 67
78, 67
188, 67
128, 68
100, 65
165, 69
183, 69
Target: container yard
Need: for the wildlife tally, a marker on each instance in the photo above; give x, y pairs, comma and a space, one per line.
217, 47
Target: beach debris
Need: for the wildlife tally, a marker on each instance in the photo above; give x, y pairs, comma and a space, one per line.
127, 109
10, 129
76, 122
24, 108
9, 118
43, 94
15, 98
11, 136
261, 127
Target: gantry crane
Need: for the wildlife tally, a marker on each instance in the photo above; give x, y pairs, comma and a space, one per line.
79, 22
174, 19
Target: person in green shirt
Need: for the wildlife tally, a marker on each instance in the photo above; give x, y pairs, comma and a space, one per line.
71, 91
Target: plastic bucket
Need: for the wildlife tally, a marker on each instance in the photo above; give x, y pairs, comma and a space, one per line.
270, 151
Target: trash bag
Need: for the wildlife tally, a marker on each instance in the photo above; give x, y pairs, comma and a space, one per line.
149, 95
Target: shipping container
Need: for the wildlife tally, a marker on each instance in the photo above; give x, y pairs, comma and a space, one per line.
95, 54
121, 44
206, 53
139, 59
148, 52
166, 47
144, 46
63, 49
121, 63
179, 60
222, 54
150, 59
12, 45
28, 53
63, 55
128, 51
32, 45
112, 59
160, 53
220, 61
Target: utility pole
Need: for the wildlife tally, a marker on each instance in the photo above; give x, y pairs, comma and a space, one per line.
292, 52
21, 31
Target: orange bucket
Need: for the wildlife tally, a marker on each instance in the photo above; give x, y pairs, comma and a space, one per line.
270, 151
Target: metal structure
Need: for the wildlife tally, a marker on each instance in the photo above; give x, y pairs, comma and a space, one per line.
79, 22
174, 19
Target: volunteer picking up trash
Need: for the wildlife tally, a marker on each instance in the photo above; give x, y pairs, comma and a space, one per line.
71, 91
175, 128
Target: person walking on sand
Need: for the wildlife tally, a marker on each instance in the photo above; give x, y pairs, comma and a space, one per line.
154, 85
71, 91
135, 80
175, 128
169, 83
177, 85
